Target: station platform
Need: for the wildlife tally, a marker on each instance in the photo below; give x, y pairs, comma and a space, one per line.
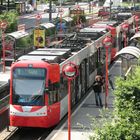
81, 118
4, 76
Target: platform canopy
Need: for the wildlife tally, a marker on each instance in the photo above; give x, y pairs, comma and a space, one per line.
67, 19
135, 36
129, 52
47, 25
18, 34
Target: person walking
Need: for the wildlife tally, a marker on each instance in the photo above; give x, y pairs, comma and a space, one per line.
97, 87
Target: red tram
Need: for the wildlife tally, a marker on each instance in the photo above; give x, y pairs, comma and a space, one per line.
38, 91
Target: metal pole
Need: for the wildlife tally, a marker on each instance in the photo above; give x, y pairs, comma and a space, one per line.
110, 8
61, 29
3, 46
50, 11
106, 94
136, 25
69, 109
125, 39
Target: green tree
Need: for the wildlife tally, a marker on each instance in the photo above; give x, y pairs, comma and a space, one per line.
125, 122
11, 18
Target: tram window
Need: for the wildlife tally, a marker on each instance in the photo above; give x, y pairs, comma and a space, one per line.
53, 95
63, 87
92, 63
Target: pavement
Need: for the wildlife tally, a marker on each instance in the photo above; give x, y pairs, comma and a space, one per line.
81, 118
4, 76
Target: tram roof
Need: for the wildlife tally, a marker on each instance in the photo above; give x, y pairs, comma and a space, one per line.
18, 34
125, 14
47, 25
54, 49
50, 52
30, 57
129, 52
90, 29
106, 23
137, 35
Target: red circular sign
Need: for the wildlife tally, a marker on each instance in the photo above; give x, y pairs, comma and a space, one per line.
3, 24
70, 70
61, 11
38, 16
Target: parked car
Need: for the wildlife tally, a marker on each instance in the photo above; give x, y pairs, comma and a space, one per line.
103, 11
47, 8
29, 8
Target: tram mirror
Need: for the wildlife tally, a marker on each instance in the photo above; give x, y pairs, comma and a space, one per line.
9, 83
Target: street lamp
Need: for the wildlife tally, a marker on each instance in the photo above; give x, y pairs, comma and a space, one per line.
136, 21
70, 71
125, 28
3, 25
61, 12
107, 42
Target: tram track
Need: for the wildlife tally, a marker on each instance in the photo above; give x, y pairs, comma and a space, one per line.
40, 133
28, 134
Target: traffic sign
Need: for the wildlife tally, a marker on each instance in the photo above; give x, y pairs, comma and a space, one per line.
3, 24
61, 11
38, 16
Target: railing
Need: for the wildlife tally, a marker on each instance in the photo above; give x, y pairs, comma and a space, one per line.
129, 72
4, 106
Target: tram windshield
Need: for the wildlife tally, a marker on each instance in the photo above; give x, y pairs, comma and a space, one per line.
28, 86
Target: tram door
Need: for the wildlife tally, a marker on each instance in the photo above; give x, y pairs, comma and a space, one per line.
84, 75
77, 87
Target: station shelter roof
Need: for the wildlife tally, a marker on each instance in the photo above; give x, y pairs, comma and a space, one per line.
67, 19
129, 52
135, 36
18, 34
47, 25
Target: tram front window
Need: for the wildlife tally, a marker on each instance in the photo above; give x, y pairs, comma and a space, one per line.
28, 86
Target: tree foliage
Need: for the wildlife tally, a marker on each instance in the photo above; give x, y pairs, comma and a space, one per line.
11, 18
125, 123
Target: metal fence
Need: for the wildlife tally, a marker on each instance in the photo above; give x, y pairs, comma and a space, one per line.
4, 106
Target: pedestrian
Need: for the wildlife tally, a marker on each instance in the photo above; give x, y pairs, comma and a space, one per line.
97, 87
110, 82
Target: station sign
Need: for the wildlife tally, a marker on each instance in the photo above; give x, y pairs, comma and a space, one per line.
39, 38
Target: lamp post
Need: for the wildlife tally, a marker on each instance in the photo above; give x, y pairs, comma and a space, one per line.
136, 21
3, 25
61, 12
125, 27
70, 71
78, 8
107, 42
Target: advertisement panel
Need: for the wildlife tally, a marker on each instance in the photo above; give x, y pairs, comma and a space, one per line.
39, 38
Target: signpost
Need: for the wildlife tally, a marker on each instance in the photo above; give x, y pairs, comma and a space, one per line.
3, 26
70, 71
38, 18
61, 12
